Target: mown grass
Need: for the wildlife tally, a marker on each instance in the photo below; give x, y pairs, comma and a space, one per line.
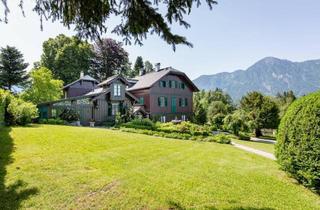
264, 146
60, 167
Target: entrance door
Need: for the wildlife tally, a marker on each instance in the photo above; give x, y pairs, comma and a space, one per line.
173, 104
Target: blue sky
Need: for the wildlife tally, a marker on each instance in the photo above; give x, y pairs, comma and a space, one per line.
234, 35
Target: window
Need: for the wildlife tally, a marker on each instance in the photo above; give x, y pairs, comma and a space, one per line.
141, 100
177, 84
183, 86
163, 84
117, 90
170, 84
162, 101
183, 102
115, 108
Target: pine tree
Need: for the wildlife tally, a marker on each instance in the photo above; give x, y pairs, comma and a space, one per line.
12, 68
135, 19
138, 65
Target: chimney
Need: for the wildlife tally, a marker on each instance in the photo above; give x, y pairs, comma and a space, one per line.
157, 66
81, 74
142, 72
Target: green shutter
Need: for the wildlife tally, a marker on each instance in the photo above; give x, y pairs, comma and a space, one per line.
186, 102
180, 102
166, 101
159, 101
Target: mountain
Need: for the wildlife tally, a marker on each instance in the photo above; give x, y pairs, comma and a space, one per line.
269, 76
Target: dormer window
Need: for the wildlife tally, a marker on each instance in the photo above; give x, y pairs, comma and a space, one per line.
117, 90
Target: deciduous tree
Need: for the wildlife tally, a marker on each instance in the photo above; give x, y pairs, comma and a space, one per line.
43, 87
66, 57
109, 58
263, 111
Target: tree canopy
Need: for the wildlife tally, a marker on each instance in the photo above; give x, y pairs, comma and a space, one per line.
138, 65
43, 87
263, 111
66, 57
136, 19
12, 68
109, 57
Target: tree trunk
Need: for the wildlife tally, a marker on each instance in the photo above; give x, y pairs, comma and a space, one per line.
258, 132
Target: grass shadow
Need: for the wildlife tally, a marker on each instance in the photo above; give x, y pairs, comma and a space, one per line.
12, 195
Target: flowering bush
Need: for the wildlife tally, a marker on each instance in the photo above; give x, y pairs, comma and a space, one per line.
22, 112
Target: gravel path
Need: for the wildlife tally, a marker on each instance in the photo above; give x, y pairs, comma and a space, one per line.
255, 151
263, 140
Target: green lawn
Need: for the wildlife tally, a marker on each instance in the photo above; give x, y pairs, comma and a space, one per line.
267, 147
60, 167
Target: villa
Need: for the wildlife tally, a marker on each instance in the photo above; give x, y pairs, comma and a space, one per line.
163, 95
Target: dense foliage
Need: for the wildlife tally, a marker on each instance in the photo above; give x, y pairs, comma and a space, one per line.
236, 122
298, 141
211, 107
22, 112
138, 66
284, 100
135, 19
52, 121
109, 58
219, 138
3, 102
69, 115
148, 66
43, 87
66, 57
183, 130
143, 123
263, 112
12, 68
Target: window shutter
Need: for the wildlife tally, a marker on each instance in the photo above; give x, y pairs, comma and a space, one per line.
159, 101
180, 102
166, 101
186, 102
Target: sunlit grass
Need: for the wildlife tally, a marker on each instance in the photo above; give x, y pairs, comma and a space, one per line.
87, 168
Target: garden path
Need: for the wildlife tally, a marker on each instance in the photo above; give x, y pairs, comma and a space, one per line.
255, 151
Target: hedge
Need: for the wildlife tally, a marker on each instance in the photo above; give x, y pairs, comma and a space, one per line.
298, 141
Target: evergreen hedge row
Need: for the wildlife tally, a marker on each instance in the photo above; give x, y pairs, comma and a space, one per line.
298, 141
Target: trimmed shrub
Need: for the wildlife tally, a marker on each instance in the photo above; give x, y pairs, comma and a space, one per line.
243, 136
144, 123
184, 127
298, 141
21, 111
53, 121
219, 138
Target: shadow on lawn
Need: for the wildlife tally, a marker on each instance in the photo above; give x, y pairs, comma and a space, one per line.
177, 206
10, 196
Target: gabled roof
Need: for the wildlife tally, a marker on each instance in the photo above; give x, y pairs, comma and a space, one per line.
109, 80
83, 78
149, 79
